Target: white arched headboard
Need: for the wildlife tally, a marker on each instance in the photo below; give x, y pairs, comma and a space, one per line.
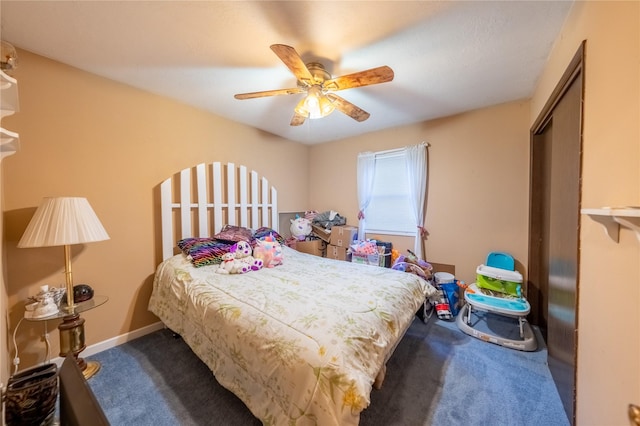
200, 200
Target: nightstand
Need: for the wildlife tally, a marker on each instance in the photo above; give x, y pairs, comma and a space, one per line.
72, 332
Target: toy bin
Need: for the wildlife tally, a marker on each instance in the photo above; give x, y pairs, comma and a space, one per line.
366, 259
500, 280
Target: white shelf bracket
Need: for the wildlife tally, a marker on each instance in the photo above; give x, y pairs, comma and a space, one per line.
611, 227
630, 222
613, 218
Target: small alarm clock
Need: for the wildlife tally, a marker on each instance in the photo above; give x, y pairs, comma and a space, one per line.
81, 293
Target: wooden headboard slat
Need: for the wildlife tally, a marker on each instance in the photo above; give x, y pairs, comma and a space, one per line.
185, 203
167, 220
243, 197
265, 196
239, 196
231, 194
203, 223
254, 199
217, 195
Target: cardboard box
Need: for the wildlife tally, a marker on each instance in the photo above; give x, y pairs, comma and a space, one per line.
338, 253
443, 267
342, 236
322, 233
315, 247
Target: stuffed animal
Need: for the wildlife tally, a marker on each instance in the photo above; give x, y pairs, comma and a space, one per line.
243, 251
395, 254
231, 265
413, 265
300, 228
411, 269
269, 250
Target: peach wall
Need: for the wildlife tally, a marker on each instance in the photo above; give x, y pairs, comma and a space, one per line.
83, 135
4, 313
608, 365
478, 183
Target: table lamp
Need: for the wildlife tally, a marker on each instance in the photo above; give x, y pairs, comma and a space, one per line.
63, 221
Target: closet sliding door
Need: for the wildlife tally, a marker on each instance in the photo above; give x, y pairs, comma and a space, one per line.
556, 147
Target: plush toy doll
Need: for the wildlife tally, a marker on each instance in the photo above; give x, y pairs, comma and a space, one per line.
269, 250
395, 254
413, 265
243, 252
231, 265
300, 228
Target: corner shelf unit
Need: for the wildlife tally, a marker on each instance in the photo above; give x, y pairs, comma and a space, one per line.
613, 217
9, 141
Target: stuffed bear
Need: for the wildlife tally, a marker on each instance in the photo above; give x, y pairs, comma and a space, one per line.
231, 265
243, 252
300, 228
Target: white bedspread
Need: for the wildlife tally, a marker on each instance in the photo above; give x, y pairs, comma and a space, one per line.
300, 343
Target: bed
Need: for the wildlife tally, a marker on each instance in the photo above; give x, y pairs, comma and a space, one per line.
301, 343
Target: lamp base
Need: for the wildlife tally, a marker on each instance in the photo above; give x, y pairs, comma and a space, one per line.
92, 368
72, 340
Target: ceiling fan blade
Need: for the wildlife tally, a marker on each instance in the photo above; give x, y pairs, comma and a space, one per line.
294, 62
297, 119
252, 95
348, 108
378, 75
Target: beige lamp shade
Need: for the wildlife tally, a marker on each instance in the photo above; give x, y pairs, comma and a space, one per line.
60, 221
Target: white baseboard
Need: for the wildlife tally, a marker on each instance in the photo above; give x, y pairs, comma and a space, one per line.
115, 341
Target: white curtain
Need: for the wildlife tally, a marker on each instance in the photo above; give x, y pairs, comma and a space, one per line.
416, 159
366, 170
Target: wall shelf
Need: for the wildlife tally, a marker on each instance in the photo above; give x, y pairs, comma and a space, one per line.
9, 97
9, 141
613, 217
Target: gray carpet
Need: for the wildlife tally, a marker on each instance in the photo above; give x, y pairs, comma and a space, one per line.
438, 375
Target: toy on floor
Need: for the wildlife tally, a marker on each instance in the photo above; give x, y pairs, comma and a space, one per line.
497, 291
412, 265
446, 298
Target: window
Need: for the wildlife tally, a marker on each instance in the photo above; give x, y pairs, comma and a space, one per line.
392, 186
390, 208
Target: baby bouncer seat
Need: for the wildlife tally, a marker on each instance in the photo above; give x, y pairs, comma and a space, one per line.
494, 304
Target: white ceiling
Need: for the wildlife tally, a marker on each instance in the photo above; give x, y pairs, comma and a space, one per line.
448, 56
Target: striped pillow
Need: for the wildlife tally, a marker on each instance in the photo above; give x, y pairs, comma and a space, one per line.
234, 233
204, 251
266, 231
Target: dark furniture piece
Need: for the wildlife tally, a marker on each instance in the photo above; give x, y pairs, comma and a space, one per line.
78, 404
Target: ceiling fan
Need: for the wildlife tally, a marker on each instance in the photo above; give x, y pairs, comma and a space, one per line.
317, 83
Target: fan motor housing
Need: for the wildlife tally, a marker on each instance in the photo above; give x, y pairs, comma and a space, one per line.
318, 71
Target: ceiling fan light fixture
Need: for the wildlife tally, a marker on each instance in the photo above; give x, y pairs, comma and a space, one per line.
315, 104
9, 56
316, 81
